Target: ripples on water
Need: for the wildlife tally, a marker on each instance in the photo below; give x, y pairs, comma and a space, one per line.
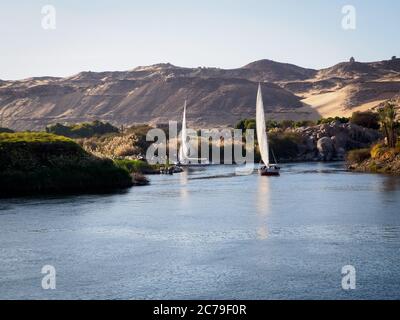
210, 234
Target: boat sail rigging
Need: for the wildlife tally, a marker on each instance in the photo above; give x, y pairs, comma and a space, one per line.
262, 137
184, 149
184, 156
260, 126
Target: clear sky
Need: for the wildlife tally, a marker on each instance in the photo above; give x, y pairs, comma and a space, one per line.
105, 35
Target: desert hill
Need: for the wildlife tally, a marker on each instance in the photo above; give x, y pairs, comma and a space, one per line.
216, 97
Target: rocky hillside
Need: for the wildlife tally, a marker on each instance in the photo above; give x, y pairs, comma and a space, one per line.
330, 142
216, 97
349, 86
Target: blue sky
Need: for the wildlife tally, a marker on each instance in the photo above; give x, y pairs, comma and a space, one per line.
120, 35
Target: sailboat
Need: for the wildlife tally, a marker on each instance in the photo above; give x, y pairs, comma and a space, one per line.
184, 154
184, 148
268, 169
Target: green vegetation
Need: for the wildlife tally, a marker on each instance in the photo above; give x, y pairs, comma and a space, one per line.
140, 129
381, 151
367, 119
290, 124
304, 123
389, 125
378, 159
82, 130
358, 155
131, 142
27, 137
331, 119
140, 132
137, 166
285, 145
377, 150
5, 130
246, 124
33, 163
273, 124
138, 169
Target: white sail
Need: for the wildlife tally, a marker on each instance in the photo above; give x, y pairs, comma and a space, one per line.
184, 149
261, 129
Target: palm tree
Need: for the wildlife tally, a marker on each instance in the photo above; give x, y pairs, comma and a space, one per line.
387, 118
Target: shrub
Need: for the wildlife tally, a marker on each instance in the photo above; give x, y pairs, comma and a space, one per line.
384, 153
46, 163
5, 130
241, 125
304, 123
367, 119
331, 119
373, 167
287, 124
272, 124
389, 123
358, 155
112, 146
136, 166
250, 124
82, 130
378, 150
285, 145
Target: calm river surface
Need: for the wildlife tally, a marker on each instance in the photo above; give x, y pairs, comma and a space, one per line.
208, 234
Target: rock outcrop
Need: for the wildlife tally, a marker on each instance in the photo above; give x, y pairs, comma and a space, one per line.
330, 142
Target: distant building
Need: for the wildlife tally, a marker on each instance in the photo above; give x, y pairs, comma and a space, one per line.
352, 60
394, 58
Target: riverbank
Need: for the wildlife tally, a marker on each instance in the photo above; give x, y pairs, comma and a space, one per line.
378, 159
42, 163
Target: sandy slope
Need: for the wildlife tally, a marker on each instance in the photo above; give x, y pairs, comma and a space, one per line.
349, 99
216, 97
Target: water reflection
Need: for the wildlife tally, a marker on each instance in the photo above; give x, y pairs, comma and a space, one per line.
263, 206
183, 179
391, 183
196, 235
391, 233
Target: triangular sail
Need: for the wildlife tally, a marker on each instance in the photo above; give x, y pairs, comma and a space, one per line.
261, 128
184, 149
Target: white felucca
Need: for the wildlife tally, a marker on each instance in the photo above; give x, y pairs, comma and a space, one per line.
268, 169
184, 150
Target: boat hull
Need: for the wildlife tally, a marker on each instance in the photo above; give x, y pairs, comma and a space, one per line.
194, 165
270, 171
171, 170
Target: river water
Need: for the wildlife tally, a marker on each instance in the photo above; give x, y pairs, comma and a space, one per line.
209, 234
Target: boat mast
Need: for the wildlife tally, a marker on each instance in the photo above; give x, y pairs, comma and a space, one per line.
261, 128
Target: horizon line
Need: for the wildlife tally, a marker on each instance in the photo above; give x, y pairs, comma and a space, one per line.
188, 67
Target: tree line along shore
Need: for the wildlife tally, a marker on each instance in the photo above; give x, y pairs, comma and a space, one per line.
383, 156
99, 157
